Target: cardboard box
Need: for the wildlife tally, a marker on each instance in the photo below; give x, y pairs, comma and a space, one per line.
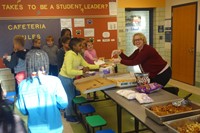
93, 83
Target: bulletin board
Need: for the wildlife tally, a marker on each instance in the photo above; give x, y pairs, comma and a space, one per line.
105, 34
100, 21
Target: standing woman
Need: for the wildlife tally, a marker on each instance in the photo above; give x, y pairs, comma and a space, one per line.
148, 58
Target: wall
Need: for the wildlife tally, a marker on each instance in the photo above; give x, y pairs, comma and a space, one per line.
169, 4
140, 3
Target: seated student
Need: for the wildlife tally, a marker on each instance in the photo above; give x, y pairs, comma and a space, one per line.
9, 122
90, 54
61, 52
51, 49
41, 95
70, 69
36, 43
17, 61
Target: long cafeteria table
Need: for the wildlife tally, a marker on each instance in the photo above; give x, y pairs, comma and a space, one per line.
137, 110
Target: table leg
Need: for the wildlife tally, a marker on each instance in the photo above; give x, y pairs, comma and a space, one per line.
119, 118
136, 125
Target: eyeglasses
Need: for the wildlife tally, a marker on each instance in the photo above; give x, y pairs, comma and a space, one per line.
135, 40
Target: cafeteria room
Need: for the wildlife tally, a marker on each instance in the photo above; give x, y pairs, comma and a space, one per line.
100, 66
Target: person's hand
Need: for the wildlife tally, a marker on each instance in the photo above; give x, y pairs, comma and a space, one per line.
5, 56
116, 60
95, 59
116, 52
85, 69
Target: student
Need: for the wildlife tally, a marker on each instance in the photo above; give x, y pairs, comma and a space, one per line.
36, 43
90, 54
65, 32
70, 69
9, 122
41, 95
51, 49
61, 52
17, 60
149, 59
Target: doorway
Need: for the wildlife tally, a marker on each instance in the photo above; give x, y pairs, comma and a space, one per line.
184, 23
138, 20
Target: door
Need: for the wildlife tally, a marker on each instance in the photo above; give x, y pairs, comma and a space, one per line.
184, 20
138, 20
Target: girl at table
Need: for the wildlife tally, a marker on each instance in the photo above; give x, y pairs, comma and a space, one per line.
149, 59
73, 61
90, 56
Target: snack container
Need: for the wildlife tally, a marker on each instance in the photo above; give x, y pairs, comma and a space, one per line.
174, 124
160, 119
142, 78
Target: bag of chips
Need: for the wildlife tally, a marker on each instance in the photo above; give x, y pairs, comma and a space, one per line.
149, 88
142, 78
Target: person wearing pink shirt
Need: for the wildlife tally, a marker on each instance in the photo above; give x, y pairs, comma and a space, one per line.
90, 56
90, 53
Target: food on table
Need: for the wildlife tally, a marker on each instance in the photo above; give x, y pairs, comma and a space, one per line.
162, 110
193, 127
149, 88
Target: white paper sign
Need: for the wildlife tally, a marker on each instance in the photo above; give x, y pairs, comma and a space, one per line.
113, 8
112, 25
79, 22
89, 32
66, 23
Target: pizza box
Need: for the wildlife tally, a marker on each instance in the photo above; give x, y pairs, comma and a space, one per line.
123, 79
93, 83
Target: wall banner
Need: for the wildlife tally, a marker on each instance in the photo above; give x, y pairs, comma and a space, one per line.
28, 28
27, 8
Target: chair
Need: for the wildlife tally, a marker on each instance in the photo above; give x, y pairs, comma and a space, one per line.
86, 109
95, 121
78, 101
105, 131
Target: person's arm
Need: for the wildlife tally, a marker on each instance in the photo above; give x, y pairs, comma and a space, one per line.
85, 64
12, 63
88, 55
139, 59
61, 97
125, 57
69, 66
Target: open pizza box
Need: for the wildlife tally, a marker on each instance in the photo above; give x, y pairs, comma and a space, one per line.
93, 83
123, 79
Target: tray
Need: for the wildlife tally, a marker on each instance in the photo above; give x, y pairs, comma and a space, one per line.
174, 124
160, 119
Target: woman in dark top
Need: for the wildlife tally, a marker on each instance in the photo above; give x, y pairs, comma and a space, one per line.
61, 52
148, 58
